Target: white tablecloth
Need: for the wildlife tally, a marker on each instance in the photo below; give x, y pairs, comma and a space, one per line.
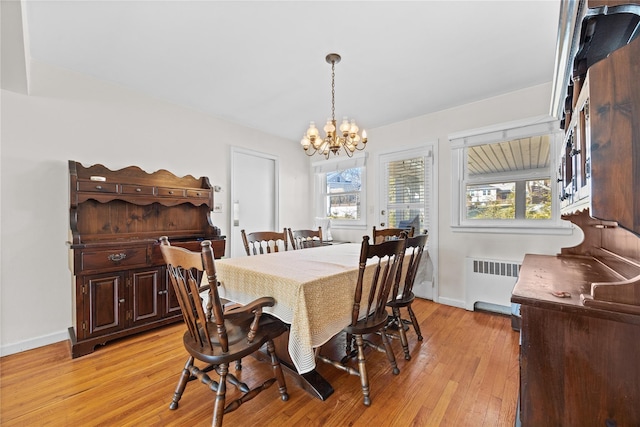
313, 289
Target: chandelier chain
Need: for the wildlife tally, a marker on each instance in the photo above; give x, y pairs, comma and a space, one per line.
333, 90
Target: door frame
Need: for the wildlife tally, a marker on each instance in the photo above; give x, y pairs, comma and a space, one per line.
430, 150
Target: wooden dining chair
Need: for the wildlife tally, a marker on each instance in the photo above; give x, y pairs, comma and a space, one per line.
302, 239
261, 242
404, 295
383, 234
373, 317
221, 337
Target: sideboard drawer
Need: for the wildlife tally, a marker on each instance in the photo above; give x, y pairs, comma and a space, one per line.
171, 192
114, 258
138, 189
97, 186
200, 194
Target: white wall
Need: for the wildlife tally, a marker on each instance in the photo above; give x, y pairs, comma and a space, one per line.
454, 247
68, 116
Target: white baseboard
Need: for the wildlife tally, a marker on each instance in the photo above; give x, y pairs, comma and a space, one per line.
452, 302
7, 349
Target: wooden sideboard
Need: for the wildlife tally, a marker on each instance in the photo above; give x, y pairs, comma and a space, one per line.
119, 276
580, 309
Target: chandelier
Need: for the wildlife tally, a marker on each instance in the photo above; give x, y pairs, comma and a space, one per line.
345, 137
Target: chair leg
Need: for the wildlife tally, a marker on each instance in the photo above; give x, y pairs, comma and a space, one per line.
182, 384
414, 321
362, 369
218, 407
277, 371
389, 351
402, 333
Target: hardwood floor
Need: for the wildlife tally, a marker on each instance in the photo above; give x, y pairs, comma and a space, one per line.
464, 373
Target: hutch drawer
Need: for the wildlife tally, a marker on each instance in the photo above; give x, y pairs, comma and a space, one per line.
171, 192
138, 189
198, 194
91, 260
97, 186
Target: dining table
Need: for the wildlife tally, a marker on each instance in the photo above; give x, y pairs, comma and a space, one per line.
313, 290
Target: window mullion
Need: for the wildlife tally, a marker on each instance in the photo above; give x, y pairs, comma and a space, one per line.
521, 199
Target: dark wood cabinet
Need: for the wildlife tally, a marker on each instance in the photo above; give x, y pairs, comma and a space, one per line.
579, 365
580, 309
116, 218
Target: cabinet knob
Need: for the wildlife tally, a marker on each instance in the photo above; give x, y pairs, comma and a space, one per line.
98, 187
138, 190
121, 300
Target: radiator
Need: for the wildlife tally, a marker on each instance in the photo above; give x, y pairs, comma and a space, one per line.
489, 283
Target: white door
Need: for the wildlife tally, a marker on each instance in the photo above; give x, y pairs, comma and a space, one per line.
407, 198
254, 195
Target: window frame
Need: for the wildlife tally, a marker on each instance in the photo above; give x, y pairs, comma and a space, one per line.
320, 171
504, 132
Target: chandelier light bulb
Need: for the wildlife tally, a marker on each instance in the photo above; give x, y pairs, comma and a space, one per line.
312, 132
345, 126
305, 142
329, 128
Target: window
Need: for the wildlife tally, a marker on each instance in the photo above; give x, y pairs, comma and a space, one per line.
503, 178
343, 194
406, 193
340, 190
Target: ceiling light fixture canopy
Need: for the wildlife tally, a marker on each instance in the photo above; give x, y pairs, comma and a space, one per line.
345, 137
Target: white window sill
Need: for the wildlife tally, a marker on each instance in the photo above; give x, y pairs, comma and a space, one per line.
348, 226
549, 230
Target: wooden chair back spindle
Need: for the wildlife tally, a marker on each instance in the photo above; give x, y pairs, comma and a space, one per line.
261, 242
302, 239
384, 234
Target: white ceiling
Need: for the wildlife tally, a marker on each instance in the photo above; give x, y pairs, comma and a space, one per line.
262, 63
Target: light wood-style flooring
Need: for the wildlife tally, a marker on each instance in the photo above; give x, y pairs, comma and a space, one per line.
464, 373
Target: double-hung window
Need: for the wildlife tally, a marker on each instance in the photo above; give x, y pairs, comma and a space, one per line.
504, 180
340, 190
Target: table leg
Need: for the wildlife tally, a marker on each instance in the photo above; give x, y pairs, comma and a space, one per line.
312, 382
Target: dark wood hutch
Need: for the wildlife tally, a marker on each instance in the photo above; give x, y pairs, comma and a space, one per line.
119, 277
580, 310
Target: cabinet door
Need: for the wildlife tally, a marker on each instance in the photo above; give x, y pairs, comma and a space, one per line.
146, 292
104, 305
172, 306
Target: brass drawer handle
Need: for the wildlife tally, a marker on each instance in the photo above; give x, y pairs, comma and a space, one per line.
117, 257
